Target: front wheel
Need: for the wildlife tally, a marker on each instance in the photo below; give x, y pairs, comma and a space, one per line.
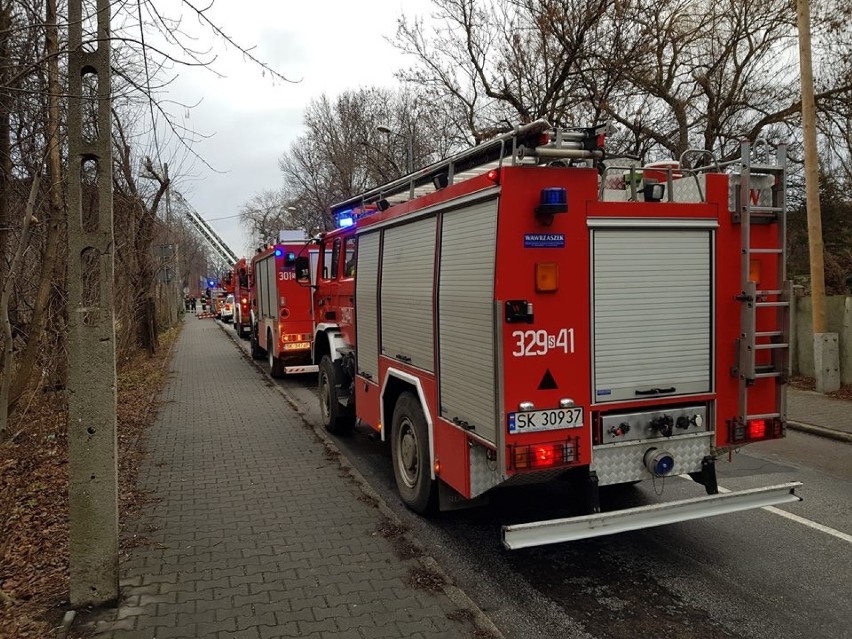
336, 419
410, 453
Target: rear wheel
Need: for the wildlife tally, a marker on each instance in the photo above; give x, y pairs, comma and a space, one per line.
336, 419
276, 368
410, 453
256, 351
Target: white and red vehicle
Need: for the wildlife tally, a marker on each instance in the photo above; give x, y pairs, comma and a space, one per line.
242, 295
281, 313
507, 316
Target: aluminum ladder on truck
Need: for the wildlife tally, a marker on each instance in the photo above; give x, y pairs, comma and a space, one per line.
751, 212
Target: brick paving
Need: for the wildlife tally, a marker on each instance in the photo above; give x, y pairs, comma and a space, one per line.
254, 530
810, 408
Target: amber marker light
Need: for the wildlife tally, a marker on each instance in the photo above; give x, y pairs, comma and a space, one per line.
754, 271
546, 277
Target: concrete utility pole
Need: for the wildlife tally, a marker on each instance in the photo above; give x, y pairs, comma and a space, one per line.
826, 347
93, 489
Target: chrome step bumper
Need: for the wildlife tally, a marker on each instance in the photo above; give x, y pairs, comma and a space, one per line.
310, 368
553, 531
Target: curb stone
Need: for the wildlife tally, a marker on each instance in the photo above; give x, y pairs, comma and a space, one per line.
481, 621
820, 431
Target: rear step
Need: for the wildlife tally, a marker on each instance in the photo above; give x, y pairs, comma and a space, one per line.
553, 531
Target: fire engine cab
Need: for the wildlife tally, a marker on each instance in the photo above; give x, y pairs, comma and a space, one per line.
281, 313
242, 292
527, 311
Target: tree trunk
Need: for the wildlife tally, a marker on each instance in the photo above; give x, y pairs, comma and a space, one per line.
5, 382
55, 215
5, 136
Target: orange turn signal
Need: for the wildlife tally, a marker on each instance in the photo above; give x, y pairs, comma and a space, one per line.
754, 271
546, 277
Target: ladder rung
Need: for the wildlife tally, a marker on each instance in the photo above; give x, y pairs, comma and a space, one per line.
770, 374
768, 292
766, 168
764, 416
763, 347
765, 209
766, 250
768, 304
769, 334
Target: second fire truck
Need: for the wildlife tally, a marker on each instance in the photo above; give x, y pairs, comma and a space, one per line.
523, 312
280, 308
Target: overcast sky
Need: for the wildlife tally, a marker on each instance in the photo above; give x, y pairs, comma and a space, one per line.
330, 45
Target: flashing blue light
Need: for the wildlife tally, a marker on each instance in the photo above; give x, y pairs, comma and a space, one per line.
279, 252
291, 257
556, 195
211, 283
345, 222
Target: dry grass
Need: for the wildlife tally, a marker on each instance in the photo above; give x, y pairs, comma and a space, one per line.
808, 383
34, 494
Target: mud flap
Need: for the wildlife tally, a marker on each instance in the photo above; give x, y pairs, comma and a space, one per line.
449, 499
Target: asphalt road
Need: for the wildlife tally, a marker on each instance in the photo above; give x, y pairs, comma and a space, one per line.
752, 575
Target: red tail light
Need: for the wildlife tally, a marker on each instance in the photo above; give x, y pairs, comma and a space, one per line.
757, 429
754, 430
546, 455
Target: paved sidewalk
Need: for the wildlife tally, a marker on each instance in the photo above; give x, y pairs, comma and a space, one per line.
256, 531
818, 414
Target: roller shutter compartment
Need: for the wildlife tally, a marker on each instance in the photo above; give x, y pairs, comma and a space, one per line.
652, 305
466, 317
366, 305
408, 270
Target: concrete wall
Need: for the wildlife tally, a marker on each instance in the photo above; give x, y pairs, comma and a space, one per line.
839, 315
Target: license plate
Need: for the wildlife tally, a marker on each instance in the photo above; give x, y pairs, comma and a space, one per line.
296, 346
538, 420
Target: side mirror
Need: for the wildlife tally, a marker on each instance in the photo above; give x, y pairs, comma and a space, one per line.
303, 270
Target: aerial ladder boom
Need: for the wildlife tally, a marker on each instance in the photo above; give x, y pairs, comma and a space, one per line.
216, 243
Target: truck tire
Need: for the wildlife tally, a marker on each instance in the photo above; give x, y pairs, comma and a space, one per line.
256, 351
276, 368
336, 419
410, 454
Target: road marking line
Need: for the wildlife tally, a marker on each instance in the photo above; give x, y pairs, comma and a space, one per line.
799, 520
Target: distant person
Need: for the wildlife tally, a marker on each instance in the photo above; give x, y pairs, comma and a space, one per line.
192, 303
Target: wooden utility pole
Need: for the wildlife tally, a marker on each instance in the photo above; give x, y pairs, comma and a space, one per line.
93, 470
811, 169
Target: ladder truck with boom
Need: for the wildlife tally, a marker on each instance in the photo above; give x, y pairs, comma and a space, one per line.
527, 311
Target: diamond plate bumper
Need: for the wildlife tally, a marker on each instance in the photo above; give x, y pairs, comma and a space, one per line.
540, 533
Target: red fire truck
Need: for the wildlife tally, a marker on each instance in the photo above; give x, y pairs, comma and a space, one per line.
242, 293
281, 312
528, 310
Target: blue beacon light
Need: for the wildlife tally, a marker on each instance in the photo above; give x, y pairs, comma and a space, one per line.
278, 252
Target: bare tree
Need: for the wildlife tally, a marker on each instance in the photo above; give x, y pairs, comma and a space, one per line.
672, 75
265, 214
343, 152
